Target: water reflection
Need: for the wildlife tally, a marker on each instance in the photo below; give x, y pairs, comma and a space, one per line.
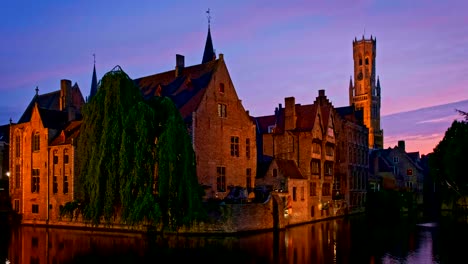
346, 240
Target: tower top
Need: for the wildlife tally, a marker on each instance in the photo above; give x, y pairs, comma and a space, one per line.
372, 39
93, 89
208, 54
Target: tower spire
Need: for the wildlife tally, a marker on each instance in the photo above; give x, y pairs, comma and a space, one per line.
208, 54
93, 90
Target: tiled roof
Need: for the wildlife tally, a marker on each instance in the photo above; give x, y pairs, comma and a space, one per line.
186, 89
305, 117
69, 134
289, 169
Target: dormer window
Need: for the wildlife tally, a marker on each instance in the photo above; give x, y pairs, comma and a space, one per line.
221, 87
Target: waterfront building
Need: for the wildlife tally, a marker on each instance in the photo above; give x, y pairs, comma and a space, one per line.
42, 154
222, 132
351, 179
396, 169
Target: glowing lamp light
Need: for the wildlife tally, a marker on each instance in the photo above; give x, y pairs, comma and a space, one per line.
7, 174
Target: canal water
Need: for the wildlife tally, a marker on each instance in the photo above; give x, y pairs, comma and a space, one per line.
354, 239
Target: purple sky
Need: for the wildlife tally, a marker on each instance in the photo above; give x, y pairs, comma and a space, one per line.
273, 49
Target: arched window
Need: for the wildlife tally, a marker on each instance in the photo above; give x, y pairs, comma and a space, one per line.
36, 141
360, 61
17, 145
367, 61
65, 156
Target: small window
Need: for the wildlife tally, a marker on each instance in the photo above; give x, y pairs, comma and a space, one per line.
36, 146
235, 146
55, 159
65, 184
35, 181
367, 61
316, 148
221, 179
315, 166
221, 87
313, 189
396, 159
18, 146
409, 172
294, 194
65, 157
17, 176
247, 148
360, 61
54, 185
222, 110
275, 173
271, 129
35, 208
248, 173
16, 206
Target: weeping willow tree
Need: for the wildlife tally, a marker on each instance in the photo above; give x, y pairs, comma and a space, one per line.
136, 158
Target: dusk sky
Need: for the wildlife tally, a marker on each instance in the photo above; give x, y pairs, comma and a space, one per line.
273, 49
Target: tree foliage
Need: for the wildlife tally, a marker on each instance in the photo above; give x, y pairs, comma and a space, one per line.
448, 163
136, 160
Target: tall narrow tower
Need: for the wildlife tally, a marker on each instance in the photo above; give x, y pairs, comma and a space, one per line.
365, 93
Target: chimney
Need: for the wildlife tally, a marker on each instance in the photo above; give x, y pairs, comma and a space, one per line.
289, 113
65, 94
180, 64
321, 92
401, 145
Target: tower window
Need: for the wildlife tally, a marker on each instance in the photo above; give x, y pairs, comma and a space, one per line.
360, 61
367, 61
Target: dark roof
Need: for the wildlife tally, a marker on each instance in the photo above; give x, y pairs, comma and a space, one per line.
351, 114
186, 89
5, 133
208, 53
93, 89
414, 156
53, 119
263, 122
51, 101
69, 134
305, 117
289, 169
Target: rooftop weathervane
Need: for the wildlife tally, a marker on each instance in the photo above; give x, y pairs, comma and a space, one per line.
208, 16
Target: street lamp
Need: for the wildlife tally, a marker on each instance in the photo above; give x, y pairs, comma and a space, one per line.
7, 174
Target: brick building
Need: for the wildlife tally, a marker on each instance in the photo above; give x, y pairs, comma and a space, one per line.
396, 169
42, 154
352, 159
222, 132
304, 135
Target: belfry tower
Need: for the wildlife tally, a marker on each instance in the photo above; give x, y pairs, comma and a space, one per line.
365, 93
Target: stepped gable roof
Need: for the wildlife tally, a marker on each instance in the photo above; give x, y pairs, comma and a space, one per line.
289, 169
186, 90
69, 134
305, 117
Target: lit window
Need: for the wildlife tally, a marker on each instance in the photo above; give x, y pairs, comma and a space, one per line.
222, 110
35, 181
409, 172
